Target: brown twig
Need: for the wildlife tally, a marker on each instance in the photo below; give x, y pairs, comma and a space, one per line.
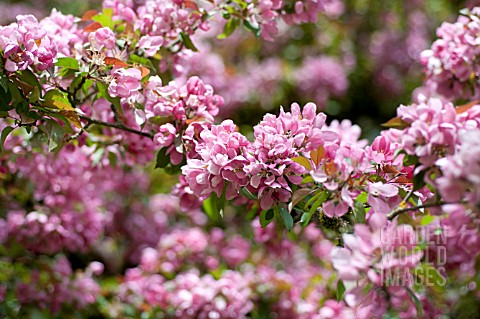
117, 126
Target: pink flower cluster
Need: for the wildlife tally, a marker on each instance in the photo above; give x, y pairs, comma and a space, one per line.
196, 246
222, 154
180, 106
383, 254
321, 77
309, 10
461, 171
191, 295
167, 18
450, 64
277, 141
343, 159
373, 251
67, 195
453, 241
264, 166
56, 286
432, 130
26, 43
63, 30
265, 13
260, 276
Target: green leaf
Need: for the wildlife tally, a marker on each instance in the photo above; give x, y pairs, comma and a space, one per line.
418, 304
223, 199
160, 120
229, 27
97, 156
29, 78
286, 217
55, 135
397, 123
318, 200
305, 219
245, 192
359, 212
188, 42
303, 161
7, 130
171, 169
22, 107
409, 160
430, 276
76, 83
362, 197
69, 63
5, 100
418, 181
142, 61
210, 206
427, 219
266, 217
162, 158
57, 99
35, 95
255, 29
4, 81
299, 195
67, 128
340, 290
112, 159
15, 93
307, 179
104, 19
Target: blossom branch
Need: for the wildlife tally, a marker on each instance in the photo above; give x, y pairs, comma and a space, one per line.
117, 126
399, 211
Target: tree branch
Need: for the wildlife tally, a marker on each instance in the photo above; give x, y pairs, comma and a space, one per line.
399, 211
117, 126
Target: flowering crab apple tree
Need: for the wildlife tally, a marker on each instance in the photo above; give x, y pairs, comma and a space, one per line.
382, 229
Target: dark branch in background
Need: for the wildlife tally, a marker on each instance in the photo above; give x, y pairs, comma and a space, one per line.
117, 126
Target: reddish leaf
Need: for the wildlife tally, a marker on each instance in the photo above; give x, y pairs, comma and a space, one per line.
465, 107
72, 117
129, 29
93, 27
317, 154
389, 169
396, 122
402, 179
25, 87
191, 5
144, 71
87, 16
115, 62
197, 118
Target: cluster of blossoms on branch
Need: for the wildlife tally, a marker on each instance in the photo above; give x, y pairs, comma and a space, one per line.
451, 63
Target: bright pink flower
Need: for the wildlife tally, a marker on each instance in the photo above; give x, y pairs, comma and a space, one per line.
126, 82
150, 44
103, 38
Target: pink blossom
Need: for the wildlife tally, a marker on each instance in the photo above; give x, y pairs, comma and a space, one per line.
126, 82
150, 44
103, 38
